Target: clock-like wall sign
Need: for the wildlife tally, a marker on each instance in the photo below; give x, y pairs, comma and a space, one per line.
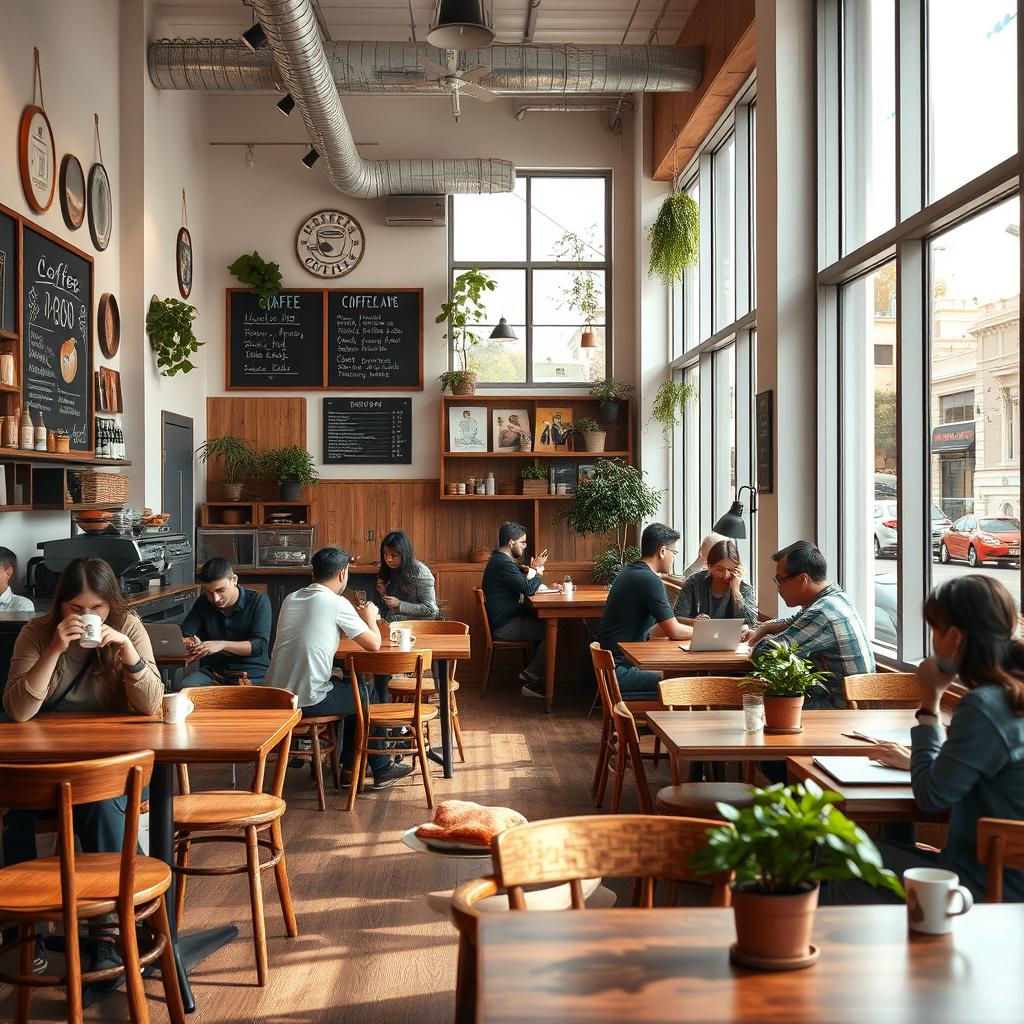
330, 243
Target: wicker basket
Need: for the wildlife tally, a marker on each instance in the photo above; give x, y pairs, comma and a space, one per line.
103, 488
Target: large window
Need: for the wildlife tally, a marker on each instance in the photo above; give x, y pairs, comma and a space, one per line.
547, 245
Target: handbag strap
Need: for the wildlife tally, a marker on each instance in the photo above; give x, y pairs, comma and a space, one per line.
54, 701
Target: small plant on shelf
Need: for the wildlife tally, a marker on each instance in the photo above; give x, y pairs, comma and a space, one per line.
238, 459
534, 473
610, 393
670, 399
292, 468
464, 309
169, 326
590, 432
263, 277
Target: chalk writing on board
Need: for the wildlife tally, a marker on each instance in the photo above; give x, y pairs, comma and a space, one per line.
368, 431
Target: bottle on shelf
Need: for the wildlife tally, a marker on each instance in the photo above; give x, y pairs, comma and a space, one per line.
39, 432
120, 442
489, 484
28, 435
10, 438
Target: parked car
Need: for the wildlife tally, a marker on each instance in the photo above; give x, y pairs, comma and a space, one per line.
979, 539
885, 610
940, 524
886, 526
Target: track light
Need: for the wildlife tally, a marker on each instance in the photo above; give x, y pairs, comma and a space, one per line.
286, 104
254, 37
311, 157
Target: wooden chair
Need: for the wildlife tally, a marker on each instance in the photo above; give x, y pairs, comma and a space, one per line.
881, 690
645, 848
491, 645
229, 816
401, 690
412, 715
322, 734
73, 888
1000, 846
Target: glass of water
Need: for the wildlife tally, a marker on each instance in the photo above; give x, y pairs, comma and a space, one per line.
753, 711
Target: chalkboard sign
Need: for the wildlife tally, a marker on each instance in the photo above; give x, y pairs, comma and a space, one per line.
765, 442
375, 339
279, 346
8, 272
368, 431
57, 363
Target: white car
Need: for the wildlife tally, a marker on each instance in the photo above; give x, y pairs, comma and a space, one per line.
886, 525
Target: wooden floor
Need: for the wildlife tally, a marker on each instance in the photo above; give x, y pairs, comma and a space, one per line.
369, 948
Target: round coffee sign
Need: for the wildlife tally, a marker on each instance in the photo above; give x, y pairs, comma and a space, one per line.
330, 243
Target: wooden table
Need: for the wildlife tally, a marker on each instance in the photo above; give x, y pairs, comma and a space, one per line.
446, 647
669, 657
587, 602
673, 965
206, 737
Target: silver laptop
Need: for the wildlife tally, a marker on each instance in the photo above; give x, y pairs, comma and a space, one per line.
166, 640
716, 635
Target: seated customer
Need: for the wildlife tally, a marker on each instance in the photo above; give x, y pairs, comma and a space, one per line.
827, 629
309, 629
9, 600
700, 563
228, 627
636, 604
405, 586
719, 591
975, 769
505, 586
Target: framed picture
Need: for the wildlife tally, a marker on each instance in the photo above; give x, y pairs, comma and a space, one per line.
562, 473
511, 431
765, 435
36, 158
72, 191
467, 428
553, 429
101, 216
585, 471
183, 261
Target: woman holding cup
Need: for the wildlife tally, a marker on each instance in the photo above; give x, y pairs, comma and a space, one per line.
405, 586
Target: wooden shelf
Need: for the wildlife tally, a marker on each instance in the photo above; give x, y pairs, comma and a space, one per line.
60, 458
9, 389
9, 336
532, 455
506, 497
81, 507
15, 508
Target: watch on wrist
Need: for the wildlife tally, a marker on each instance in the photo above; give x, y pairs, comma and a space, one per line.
137, 667
925, 713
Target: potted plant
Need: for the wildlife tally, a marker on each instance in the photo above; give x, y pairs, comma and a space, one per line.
465, 307
292, 468
581, 295
237, 458
169, 326
535, 480
675, 238
785, 679
780, 847
610, 394
669, 401
614, 499
262, 277
590, 431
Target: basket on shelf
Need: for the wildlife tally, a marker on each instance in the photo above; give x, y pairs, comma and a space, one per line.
99, 488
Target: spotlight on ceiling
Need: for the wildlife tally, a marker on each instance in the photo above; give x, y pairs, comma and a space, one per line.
311, 158
254, 37
460, 25
286, 104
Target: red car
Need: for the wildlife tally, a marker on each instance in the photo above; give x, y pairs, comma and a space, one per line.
978, 539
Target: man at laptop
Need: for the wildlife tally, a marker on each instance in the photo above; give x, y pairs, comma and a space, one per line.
636, 604
228, 627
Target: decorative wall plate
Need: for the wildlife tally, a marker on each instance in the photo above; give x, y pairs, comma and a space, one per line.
183, 262
36, 158
72, 191
101, 217
108, 325
330, 243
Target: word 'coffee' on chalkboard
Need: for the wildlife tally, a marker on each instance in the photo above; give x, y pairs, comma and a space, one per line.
57, 365
375, 339
368, 431
277, 343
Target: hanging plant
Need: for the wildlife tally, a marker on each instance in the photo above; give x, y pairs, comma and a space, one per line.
169, 326
582, 294
675, 238
262, 277
669, 401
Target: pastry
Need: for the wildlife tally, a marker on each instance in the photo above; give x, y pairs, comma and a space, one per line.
460, 821
68, 360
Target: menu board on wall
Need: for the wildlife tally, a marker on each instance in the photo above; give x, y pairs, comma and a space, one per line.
8, 273
375, 339
368, 431
279, 344
57, 345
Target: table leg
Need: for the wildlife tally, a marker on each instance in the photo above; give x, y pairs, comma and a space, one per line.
550, 650
445, 716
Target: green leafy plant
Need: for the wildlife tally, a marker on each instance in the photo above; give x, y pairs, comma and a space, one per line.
609, 390
781, 672
582, 294
584, 425
456, 381
669, 401
169, 326
238, 459
615, 499
262, 277
675, 238
534, 473
789, 837
464, 308
291, 463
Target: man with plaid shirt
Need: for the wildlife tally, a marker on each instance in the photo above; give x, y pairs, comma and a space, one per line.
827, 629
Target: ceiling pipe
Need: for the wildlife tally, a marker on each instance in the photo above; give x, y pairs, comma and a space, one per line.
572, 106
531, 20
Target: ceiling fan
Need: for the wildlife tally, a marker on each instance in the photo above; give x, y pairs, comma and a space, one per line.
453, 81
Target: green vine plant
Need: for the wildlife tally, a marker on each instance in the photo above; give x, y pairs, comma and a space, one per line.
169, 326
669, 401
582, 295
465, 308
675, 238
262, 277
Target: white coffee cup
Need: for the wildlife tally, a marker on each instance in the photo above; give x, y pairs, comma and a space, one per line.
92, 626
402, 637
176, 708
931, 895
567, 589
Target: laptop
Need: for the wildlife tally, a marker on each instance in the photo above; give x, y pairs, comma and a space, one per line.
716, 635
166, 639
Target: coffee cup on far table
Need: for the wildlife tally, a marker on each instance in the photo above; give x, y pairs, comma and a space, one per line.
176, 708
402, 638
934, 897
92, 626
567, 589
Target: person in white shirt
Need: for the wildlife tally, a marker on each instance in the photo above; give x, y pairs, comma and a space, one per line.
309, 628
700, 563
9, 600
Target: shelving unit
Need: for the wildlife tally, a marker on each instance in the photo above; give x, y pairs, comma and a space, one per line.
256, 513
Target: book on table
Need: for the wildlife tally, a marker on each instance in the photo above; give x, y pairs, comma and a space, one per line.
862, 771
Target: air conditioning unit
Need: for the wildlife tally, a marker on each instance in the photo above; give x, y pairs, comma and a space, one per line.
416, 211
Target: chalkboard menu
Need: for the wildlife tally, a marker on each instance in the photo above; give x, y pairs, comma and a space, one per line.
8, 273
276, 345
368, 431
57, 364
375, 339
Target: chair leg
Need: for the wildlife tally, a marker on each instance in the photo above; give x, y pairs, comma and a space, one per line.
73, 979
358, 769
657, 750
335, 764
620, 771
318, 767
488, 661
26, 952
422, 752
168, 969
458, 729
137, 1008
259, 928
601, 770
183, 857
284, 890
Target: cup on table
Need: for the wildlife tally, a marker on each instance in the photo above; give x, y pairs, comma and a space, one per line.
361, 596
92, 626
753, 712
567, 588
934, 897
402, 638
176, 708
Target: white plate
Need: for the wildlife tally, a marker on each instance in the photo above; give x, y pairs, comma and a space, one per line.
447, 846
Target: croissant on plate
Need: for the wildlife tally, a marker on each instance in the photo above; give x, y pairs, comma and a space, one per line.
461, 821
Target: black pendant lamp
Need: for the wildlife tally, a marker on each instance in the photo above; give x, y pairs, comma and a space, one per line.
503, 332
460, 25
732, 524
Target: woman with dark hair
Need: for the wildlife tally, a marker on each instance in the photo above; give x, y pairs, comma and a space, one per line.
406, 586
719, 591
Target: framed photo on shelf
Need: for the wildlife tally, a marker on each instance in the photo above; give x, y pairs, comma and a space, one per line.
467, 428
511, 431
553, 429
585, 471
563, 473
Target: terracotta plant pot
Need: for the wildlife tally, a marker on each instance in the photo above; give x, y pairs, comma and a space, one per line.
774, 927
231, 492
467, 387
593, 440
783, 712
